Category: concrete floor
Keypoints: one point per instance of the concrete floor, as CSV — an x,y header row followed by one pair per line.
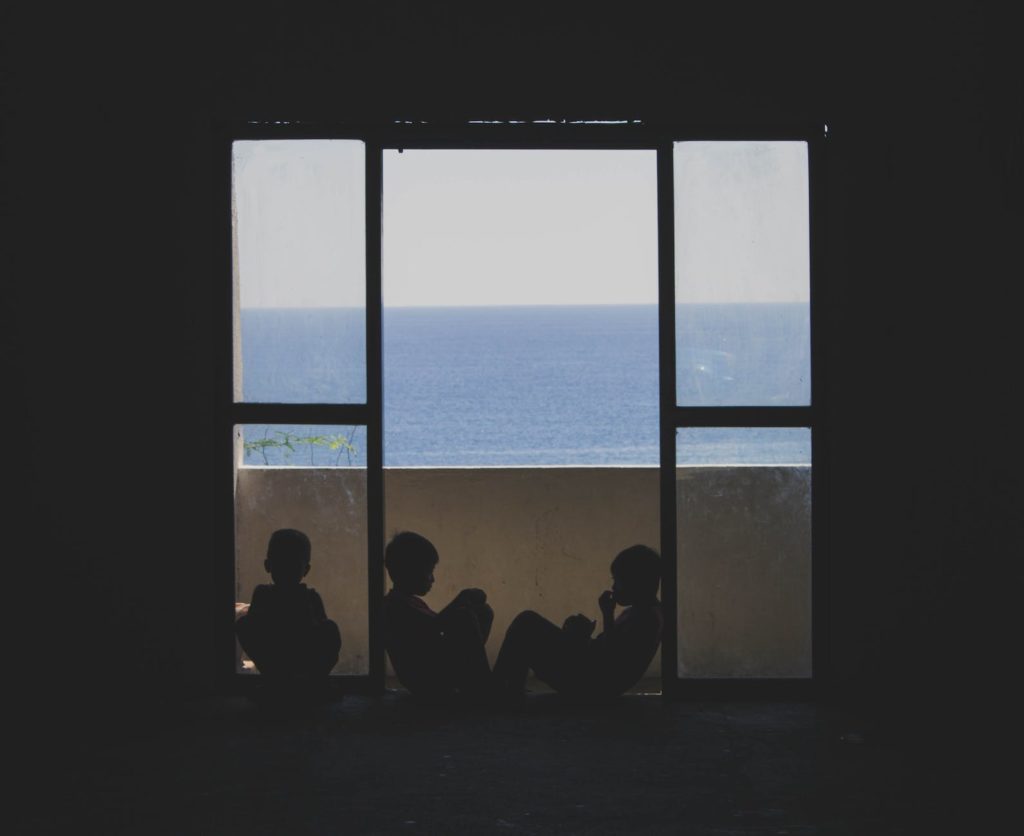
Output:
x,y
385,765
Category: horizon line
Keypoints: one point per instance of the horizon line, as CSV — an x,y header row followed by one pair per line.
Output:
x,y
517,305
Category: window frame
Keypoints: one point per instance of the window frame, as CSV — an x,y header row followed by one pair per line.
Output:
x,y
534,135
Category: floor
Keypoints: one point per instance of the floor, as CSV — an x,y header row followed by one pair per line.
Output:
x,y
386,765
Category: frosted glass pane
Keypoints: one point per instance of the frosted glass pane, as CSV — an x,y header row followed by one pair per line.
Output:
x,y
300,269
742,273
744,566
328,504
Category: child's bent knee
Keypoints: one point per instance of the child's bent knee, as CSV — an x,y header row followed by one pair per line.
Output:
x,y
526,619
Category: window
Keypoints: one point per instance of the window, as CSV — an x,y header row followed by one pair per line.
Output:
x,y
302,429
738,417
744,418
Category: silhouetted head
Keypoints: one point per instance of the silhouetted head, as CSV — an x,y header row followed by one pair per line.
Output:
x,y
288,555
636,572
410,559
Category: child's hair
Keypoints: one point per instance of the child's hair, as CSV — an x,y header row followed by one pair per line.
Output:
x,y
408,552
288,555
639,568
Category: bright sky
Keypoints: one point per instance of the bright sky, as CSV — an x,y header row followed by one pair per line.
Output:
x,y
494,227
499,227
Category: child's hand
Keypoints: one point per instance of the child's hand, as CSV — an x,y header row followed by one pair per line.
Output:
x,y
579,625
607,603
241,609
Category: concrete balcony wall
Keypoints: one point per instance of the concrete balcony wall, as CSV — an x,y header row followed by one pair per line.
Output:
x,y
543,539
532,538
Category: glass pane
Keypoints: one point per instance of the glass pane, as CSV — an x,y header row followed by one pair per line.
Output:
x,y
744,560
742,273
300,271
328,504
293,445
520,320
743,445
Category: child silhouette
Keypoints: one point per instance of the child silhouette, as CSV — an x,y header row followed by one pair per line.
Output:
x,y
572,662
435,655
286,631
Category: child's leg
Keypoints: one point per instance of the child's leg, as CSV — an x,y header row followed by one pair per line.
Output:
x,y
254,641
325,647
531,642
465,635
485,618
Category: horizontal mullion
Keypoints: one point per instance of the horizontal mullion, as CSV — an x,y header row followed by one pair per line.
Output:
x,y
337,684
260,131
523,134
738,688
524,140
743,416
299,413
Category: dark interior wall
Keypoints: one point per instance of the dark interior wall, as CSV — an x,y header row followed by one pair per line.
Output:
x,y
110,288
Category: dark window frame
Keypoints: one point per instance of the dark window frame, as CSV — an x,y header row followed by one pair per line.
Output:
x,y
561,134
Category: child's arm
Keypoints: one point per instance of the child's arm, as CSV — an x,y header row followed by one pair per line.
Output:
x,y
627,647
258,604
606,603
579,626
317,613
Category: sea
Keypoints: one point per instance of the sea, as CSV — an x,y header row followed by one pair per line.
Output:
x,y
526,385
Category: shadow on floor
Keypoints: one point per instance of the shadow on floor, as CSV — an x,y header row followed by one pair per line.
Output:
x,y
387,765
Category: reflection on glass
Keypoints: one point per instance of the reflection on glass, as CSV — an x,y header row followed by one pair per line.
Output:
x,y
742,273
329,506
292,445
300,267
744,565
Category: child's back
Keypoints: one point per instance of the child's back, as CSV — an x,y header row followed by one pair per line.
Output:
x,y
291,608
286,631
621,655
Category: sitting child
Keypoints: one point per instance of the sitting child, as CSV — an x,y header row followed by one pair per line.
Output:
x,y
573,663
285,631
435,655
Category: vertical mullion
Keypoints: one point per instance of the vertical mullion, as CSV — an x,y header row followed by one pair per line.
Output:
x,y
820,611
667,399
375,405
224,452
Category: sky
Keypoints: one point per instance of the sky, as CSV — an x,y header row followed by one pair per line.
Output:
x,y
519,227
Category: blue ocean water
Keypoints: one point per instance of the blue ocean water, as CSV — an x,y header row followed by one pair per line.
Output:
x,y
538,385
